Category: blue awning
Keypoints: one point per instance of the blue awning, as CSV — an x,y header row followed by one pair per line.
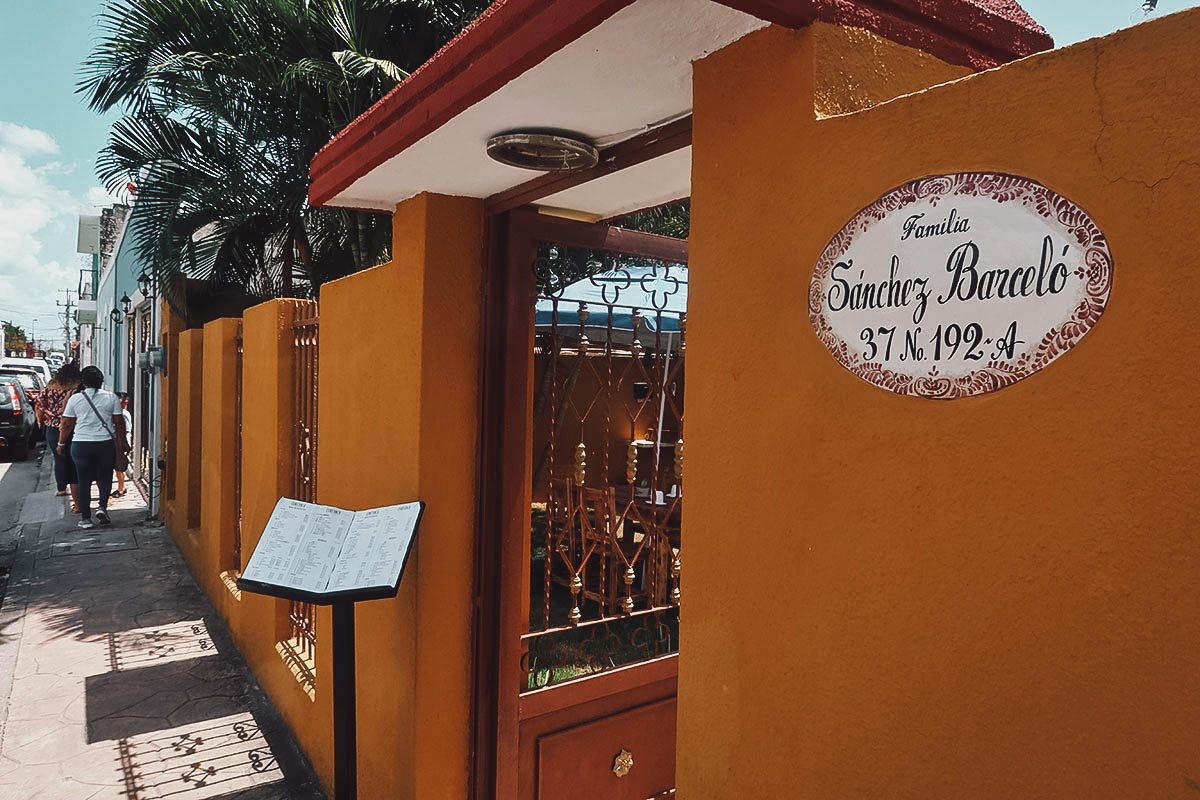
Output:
x,y
657,292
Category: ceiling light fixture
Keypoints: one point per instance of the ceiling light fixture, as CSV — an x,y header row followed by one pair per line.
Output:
x,y
544,152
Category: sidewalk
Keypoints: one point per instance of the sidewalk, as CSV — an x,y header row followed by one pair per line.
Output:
x,y
118,680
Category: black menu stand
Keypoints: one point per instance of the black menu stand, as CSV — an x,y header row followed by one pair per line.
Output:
x,y
345,725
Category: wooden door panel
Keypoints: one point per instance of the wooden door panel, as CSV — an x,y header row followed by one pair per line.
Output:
x,y
577,763
566,726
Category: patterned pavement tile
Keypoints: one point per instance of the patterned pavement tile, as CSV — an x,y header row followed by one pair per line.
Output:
x,y
126,684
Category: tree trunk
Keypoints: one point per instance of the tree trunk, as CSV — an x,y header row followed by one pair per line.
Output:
x,y
289,259
304,254
364,241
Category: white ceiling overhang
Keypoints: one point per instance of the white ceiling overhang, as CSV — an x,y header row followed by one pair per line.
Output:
x,y
624,77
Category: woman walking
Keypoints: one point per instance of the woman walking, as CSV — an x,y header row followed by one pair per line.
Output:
x,y
123,397
49,407
93,422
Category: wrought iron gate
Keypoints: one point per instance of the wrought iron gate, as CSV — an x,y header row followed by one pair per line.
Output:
x,y
239,408
607,483
302,617
592,566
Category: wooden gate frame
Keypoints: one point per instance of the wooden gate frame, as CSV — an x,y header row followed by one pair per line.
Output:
x,y
505,465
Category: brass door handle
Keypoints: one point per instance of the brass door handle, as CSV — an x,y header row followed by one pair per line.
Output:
x,y
622,763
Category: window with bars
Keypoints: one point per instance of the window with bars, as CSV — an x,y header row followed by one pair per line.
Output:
x,y
302,618
239,352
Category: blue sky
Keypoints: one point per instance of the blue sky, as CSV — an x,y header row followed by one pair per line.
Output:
x,y
49,140
48,144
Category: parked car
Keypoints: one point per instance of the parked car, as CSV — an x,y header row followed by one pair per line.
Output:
x,y
16,419
38,364
31,379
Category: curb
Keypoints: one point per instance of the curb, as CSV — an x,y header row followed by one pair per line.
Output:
x,y
16,567
13,606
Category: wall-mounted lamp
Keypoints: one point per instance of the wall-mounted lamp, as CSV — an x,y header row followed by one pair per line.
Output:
x,y
545,152
126,303
145,283
115,316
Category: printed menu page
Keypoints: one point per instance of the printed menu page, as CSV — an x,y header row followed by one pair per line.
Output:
x,y
374,548
300,545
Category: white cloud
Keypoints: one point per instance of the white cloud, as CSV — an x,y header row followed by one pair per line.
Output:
x,y
35,211
28,141
100,197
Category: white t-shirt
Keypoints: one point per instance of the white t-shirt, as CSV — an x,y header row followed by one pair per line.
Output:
x,y
88,427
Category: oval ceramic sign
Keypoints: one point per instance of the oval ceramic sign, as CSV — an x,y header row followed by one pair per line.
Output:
x,y
956,285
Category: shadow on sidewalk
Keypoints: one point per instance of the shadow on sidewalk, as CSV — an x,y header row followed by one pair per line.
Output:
x,y
189,720
127,678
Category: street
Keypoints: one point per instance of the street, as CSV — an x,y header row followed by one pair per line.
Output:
x,y
17,479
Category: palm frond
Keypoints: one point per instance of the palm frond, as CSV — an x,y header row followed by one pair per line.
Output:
x,y
360,66
224,104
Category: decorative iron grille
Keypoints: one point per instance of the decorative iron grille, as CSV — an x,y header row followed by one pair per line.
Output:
x,y
237,448
606,531
302,616
145,391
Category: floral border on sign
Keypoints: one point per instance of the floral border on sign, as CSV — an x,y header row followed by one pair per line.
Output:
x,y
1072,220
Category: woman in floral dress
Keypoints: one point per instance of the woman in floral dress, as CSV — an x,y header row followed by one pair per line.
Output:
x,y
49,407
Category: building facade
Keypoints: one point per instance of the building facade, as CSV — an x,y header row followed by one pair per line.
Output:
x,y
909,572
127,326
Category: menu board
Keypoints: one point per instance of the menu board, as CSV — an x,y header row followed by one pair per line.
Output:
x,y
314,550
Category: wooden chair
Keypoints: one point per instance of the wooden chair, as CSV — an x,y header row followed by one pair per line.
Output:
x,y
561,512
595,519
579,519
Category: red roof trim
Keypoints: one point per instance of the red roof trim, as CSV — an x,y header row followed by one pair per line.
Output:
x,y
972,33
969,33
514,35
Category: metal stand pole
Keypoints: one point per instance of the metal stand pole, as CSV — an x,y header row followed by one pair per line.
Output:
x,y
345,724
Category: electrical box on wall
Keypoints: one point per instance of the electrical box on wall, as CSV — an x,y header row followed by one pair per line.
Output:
x,y
85,314
153,359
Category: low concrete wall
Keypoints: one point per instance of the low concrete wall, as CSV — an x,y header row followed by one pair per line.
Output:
x,y
188,397
400,424
172,326
394,425
218,451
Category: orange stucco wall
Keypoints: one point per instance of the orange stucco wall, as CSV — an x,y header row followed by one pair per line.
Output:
x,y
398,421
186,477
218,444
267,473
398,396
202,414
172,326
991,597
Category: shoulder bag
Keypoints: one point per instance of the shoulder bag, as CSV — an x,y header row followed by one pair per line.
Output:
x,y
121,463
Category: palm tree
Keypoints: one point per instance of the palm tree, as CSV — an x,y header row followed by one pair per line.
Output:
x,y
225,103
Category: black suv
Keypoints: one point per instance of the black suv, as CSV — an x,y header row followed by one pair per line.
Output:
x,y
16,418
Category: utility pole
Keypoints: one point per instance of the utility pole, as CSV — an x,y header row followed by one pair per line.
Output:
x,y
66,315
